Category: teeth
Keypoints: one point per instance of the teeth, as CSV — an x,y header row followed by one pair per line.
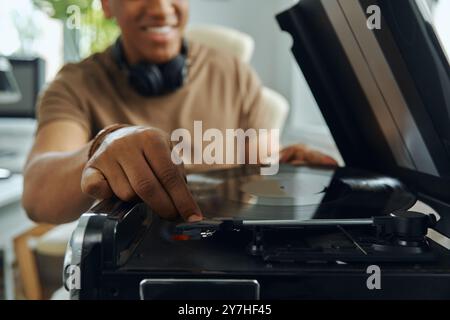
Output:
x,y
160,30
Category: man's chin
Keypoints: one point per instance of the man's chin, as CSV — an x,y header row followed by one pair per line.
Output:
x,y
160,59
161,54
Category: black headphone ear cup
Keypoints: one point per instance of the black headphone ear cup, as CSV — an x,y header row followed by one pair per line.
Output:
x,y
150,79
147,80
174,73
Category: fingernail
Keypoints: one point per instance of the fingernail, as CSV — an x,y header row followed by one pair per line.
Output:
x,y
330,161
195,218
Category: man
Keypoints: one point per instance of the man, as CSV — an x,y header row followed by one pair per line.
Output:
x,y
73,162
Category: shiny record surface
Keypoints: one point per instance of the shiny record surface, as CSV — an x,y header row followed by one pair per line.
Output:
x,y
297,194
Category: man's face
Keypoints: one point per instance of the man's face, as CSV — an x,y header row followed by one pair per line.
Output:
x,y
152,30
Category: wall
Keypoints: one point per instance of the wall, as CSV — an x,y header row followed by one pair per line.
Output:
x,y
273,59
27,31
442,23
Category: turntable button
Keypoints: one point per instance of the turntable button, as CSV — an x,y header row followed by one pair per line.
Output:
x,y
181,237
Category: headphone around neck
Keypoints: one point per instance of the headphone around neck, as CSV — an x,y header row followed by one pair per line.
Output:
x,y
151,80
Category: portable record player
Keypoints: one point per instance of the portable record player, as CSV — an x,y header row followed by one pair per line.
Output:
x,y
268,237
308,233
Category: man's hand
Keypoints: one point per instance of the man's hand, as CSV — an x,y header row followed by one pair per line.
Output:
x,y
302,155
135,162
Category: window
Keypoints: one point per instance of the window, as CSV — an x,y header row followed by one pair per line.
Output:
x,y
27,31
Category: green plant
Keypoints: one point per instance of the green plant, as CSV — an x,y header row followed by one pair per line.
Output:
x,y
95,32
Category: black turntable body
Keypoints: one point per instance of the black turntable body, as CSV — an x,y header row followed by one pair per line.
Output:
x,y
296,251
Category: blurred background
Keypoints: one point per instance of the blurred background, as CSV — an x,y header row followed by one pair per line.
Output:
x,y
39,36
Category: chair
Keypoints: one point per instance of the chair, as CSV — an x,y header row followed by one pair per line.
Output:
x,y
50,247
40,255
242,46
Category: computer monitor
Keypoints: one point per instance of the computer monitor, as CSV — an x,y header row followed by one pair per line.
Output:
x,y
9,91
383,88
29,74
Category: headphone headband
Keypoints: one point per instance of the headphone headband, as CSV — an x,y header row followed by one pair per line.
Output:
x,y
150,79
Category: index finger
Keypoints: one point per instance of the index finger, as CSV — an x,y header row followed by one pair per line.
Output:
x,y
173,181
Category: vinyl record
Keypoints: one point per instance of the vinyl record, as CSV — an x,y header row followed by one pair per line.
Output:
x,y
297,193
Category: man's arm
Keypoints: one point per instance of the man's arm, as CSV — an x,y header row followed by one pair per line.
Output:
x,y
52,175
130,162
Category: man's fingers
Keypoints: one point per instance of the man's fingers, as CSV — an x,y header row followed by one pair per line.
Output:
x,y
118,182
94,184
302,155
137,162
173,181
180,166
285,154
318,158
293,153
298,163
148,188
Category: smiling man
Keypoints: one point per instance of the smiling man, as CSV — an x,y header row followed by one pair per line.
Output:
x,y
104,123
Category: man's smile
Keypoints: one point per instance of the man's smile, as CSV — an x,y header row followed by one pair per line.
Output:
x,y
161,33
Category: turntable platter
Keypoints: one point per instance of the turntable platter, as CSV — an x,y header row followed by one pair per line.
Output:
x,y
296,193
298,189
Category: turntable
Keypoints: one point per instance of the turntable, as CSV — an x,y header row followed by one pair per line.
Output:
x,y
265,237
308,233
306,214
